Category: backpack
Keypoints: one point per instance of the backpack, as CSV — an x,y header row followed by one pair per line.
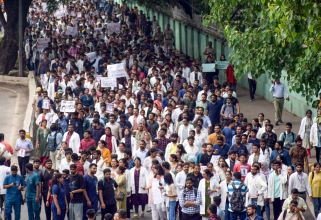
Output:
x,y
52,142
237,199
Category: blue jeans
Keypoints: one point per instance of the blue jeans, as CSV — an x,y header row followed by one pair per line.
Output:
x,y
234,215
227,213
317,205
258,208
8,209
34,209
58,217
172,210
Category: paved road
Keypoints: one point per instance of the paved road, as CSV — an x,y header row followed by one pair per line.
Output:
x,y
14,99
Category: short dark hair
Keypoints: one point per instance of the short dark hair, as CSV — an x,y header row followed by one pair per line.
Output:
x,y
29,166
237,175
92,165
90,213
14,168
294,191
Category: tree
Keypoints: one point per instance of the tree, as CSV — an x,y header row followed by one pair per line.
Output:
x,y
271,36
10,41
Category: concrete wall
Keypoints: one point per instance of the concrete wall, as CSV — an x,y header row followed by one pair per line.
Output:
x,y
192,40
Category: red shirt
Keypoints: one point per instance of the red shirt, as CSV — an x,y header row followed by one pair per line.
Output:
x,y
242,168
85,144
79,168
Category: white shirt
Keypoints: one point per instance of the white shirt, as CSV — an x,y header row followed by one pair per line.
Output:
x,y
141,154
4,171
279,91
299,182
180,180
64,164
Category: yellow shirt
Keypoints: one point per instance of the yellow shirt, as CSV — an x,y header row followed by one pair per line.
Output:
x,y
315,184
105,153
212,138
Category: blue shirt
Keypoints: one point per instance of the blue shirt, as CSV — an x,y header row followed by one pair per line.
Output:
x,y
61,194
284,154
228,133
214,111
222,150
242,149
13,194
230,190
91,189
32,181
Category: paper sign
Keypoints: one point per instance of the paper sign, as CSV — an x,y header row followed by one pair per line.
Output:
x,y
110,108
221,65
117,70
42,43
91,56
67,106
208,67
113,28
214,159
21,153
71,31
108,82
61,12
46,104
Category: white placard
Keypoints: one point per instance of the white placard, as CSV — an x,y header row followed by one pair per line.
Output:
x,y
46,104
214,159
91,56
42,43
117,70
110,108
21,153
113,28
208,67
61,12
68,106
108,82
71,31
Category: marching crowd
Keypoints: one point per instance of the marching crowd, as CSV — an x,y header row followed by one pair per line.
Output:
x,y
166,138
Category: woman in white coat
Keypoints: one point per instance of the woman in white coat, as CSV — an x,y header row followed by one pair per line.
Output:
x,y
224,193
304,131
208,188
315,136
138,186
110,140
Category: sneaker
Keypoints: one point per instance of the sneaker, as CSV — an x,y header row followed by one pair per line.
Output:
x,y
135,215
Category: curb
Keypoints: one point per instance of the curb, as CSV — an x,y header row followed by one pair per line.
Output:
x,y
15,80
29,110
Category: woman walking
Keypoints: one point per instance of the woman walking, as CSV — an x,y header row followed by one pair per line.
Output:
x,y
41,141
121,190
315,183
139,193
171,196
304,131
58,205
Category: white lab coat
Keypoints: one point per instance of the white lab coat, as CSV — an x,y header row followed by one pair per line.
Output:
x,y
283,180
74,142
143,176
314,137
201,188
224,194
113,142
256,185
302,127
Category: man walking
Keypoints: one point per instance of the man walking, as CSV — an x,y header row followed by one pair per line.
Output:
x,y
252,86
279,92
14,184
23,147
33,193
77,188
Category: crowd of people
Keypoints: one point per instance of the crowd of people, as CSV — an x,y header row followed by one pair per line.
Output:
x,y
166,139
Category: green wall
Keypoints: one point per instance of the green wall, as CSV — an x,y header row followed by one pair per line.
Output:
x,y
193,41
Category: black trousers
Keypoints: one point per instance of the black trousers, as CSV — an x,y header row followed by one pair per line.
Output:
x,y
277,207
252,88
195,216
22,161
317,153
111,209
47,208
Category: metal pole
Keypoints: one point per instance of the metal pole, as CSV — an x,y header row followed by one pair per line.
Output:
x,y
20,40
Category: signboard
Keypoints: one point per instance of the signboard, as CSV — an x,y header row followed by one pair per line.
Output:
x,y
117,70
113,28
42,43
108,82
110,108
221,65
68,106
46,104
71,31
91,56
208,67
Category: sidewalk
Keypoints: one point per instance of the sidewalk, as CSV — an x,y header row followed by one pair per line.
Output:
x,y
252,109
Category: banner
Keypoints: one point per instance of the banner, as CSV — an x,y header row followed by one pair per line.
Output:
x,y
221,65
113,28
46,104
42,43
68,106
71,31
108,82
208,67
110,108
91,56
117,70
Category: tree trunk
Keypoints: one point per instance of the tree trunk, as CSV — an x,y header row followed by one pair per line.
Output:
x,y
10,41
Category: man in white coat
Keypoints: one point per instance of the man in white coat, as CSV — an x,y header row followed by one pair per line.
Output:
x,y
72,139
315,137
257,187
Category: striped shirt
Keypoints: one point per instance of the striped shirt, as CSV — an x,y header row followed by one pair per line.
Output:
x,y
190,195
230,191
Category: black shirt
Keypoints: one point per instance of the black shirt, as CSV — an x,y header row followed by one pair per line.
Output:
x,y
45,177
205,158
77,182
196,179
107,186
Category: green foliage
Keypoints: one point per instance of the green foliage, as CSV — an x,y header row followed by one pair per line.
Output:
x,y
53,5
271,36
